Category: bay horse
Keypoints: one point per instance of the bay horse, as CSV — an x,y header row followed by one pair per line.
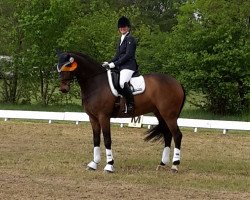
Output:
x,y
164,96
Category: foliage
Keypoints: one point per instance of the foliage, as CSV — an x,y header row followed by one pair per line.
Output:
x,y
12,45
43,22
158,12
92,32
213,52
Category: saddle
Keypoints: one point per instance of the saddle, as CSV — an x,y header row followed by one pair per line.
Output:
x,y
137,83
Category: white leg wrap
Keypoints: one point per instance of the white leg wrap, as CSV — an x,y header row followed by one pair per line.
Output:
x,y
92,166
109,155
109,168
165,155
177,155
97,155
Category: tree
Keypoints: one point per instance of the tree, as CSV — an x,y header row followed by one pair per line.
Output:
x,y
43,23
11,45
93,32
213,52
158,12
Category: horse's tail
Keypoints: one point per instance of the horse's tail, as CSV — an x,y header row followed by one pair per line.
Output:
x,y
183,100
157,132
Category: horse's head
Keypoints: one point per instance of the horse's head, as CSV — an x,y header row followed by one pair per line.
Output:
x,y
79,65
66,65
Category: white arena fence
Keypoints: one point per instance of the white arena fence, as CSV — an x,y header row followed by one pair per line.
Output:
x,y
132,122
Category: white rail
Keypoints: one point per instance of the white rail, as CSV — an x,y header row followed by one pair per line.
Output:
x,y
138,121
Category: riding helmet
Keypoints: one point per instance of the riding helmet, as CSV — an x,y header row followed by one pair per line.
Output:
x,y
123,22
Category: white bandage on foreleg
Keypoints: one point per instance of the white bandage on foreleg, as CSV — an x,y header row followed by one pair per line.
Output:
x,y
165,155
177,155
97,154
109,155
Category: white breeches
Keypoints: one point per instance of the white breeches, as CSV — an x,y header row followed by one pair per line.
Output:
x,y
125,76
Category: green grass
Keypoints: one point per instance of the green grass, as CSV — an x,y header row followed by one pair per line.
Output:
x,y
197,113
188,111
39,107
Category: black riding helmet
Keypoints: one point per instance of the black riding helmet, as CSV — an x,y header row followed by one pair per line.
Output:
x,y
123,22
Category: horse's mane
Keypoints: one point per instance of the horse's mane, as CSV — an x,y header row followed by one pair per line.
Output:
x,y
88,58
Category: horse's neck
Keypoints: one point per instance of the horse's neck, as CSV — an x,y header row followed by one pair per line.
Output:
x,y
87,66
90,75
93,86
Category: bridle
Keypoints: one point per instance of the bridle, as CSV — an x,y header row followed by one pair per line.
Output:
x,y
65,66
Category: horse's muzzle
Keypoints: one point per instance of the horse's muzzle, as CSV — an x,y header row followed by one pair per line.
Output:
x,y
64,88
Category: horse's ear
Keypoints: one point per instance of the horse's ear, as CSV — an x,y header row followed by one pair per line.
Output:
x,y
58,52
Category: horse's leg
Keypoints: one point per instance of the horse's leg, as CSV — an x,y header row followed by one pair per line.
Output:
x,y
166,151
105,125
167,141
96,139
177,135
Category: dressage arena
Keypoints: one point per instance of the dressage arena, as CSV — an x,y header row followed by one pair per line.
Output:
x,y
48,161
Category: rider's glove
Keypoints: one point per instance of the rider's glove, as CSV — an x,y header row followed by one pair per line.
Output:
x,y
105,64
111,65
108,65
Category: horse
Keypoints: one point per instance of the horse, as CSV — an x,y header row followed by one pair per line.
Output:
x,y
164,96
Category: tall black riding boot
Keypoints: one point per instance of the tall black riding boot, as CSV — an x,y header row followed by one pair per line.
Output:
x,y
128,95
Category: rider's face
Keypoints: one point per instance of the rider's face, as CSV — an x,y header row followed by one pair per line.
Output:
x,y
124,30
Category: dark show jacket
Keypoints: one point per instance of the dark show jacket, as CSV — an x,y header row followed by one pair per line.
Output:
x,y
125,54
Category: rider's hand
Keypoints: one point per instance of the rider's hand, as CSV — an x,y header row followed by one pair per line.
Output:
x,y
111,65
105,64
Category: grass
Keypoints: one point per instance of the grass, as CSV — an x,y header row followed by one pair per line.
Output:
x,y
188,111
39,107
47,161
196,113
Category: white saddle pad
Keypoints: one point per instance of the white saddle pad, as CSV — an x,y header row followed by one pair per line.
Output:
x,y
138,84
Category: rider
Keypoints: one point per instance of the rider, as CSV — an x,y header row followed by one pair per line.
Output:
x,y
124,60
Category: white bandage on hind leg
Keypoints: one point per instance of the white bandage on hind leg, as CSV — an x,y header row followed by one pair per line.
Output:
x,y
109,155
97,154
165,155
177,155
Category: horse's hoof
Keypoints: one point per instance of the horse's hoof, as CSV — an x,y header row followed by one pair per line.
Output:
x,y
92,166
90,169
109,168
161,166
174,169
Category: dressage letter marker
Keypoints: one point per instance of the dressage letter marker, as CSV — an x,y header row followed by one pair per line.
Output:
x,y
136,122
